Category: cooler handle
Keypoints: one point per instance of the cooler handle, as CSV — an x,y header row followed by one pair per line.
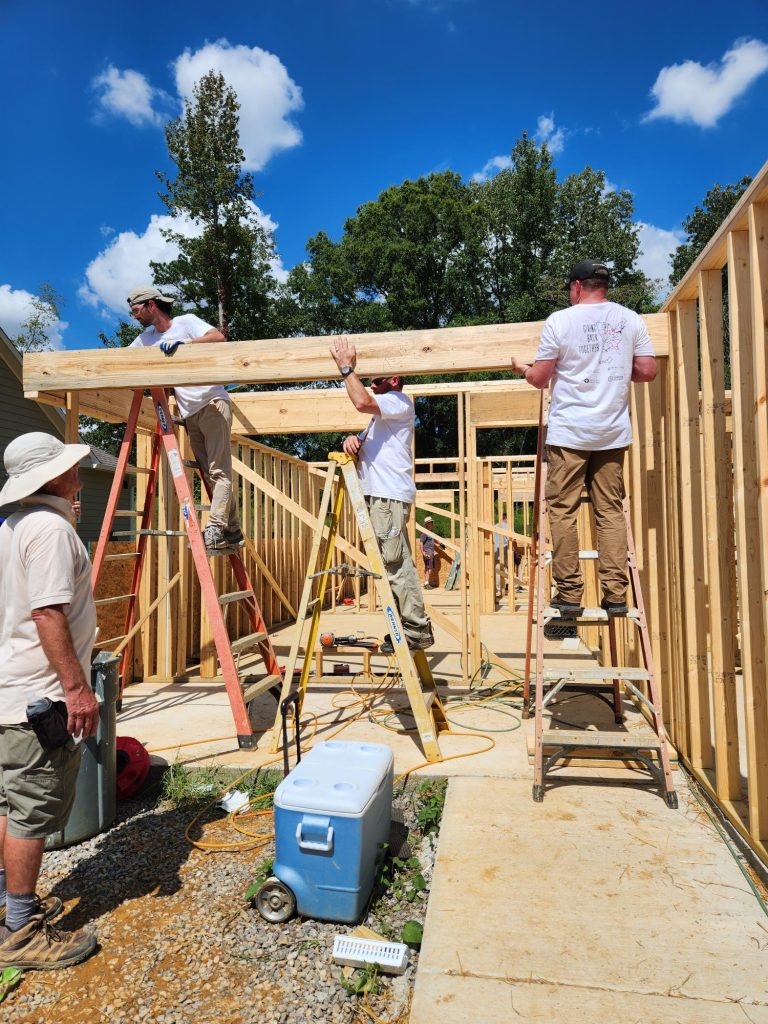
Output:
x,y
315,827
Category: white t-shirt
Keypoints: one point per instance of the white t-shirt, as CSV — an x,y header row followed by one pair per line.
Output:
x,y
594,345
386,456
43,562
190,399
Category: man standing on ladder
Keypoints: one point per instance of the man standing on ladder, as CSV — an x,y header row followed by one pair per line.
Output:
x,y
206,411
590,352
385,462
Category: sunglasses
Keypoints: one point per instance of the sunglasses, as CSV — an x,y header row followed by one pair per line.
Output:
x,y
377,380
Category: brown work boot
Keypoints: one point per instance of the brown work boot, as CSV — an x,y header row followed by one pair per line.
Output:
x,y
49,907
40,946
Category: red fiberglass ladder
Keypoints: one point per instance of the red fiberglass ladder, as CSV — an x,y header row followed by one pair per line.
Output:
x,y
240,692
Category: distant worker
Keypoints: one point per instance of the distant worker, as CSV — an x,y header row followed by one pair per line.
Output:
x,y
500,555
47,632
590,352
427,545
385,454
206,410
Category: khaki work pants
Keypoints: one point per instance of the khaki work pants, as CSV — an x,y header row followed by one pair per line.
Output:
x,y
210,432
568,472
389,519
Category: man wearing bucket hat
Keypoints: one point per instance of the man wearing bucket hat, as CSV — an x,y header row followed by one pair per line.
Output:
x,y
591,352
385,464
47,630
207,410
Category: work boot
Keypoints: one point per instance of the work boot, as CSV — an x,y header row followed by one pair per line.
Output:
x,y
234,538
214,538
567,609
49,907
41,946
615,609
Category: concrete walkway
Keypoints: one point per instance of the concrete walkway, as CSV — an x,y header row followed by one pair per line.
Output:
x,y
598,906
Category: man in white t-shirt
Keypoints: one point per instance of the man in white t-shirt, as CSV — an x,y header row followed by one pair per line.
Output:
x,y
385,465
207,411
591,352
47,631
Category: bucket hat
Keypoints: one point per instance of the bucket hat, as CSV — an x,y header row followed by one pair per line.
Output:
x,y
32,460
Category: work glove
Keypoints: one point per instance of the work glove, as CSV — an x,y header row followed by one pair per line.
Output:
x,y
169,347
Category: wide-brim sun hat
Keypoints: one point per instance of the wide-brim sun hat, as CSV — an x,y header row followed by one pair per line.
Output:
x,y
33,460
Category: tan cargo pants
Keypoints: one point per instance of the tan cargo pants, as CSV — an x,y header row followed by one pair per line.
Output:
x,y
210,432
568,472
389,519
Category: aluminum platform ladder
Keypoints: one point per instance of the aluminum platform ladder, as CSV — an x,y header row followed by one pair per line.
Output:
x,y
416,674
647,747
241,689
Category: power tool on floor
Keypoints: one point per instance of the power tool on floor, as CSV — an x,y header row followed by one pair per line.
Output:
x,y
331,640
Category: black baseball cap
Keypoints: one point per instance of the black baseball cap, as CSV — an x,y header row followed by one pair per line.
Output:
x,y
589,268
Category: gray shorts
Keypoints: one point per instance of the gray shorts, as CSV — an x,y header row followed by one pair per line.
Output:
x,y
37,786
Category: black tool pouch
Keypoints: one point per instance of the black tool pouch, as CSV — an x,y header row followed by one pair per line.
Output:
x,y
48,719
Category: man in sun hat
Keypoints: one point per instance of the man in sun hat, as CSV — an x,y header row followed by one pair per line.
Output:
x,y
591,352
385,463
47,630
206,410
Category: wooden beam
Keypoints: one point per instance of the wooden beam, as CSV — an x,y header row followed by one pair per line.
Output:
x,y
109,405
486,347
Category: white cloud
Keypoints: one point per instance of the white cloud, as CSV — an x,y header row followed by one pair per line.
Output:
x,y
129,94
267,94
690,92
656,248
124,263
491,167
16,307
546,132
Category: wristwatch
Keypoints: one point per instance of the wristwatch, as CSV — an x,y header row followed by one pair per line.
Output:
x,y
346,370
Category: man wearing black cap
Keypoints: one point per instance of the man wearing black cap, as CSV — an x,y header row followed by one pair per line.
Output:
x,y
206,410
590,352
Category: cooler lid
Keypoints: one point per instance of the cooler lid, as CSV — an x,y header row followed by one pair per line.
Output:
x,y
337,777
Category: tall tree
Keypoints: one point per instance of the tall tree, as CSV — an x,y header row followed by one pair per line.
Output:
x,y
226,266
701,225
34,334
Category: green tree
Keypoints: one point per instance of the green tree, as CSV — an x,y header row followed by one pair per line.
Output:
x,y
226,267
702,224
34,334
108,436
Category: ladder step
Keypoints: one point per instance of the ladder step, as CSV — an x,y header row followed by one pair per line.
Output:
x,y
245,643
202,508
589,556
591,615
129,512
605,740
236,595
601,672
253,690
124,554
114,600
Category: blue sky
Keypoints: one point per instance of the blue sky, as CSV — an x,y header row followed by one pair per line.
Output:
x,y
343,98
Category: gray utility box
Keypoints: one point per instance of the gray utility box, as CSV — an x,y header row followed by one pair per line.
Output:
x,y
96,795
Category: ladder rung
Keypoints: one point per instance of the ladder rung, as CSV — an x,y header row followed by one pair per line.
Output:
x,y
203,508
604,740
150,533
114,600
588,556
236,595
245,643
604,672
260,686
129,512
124,554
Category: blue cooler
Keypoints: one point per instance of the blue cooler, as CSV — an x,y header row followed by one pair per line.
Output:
x,y
332,815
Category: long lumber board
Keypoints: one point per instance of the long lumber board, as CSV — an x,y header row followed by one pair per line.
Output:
x,y
487,347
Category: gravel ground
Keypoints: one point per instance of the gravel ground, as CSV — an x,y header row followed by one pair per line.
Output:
x,y
178,944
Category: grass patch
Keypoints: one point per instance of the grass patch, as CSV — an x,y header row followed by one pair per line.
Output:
x,y
183,785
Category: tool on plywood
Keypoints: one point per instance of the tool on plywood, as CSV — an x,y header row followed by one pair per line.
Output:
x,y
342,482
240,690
647,747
